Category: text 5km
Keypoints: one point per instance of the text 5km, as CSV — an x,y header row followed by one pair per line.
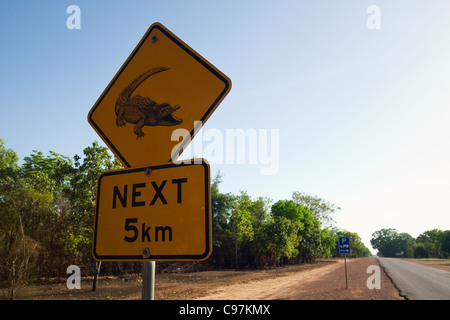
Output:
x,y
159,233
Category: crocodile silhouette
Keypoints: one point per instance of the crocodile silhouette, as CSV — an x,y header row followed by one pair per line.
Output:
x,y
143,111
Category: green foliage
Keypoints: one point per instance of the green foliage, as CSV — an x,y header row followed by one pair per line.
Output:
x,y
241,219
289,210
241,227
282,236
445,243
24,212
390,243
221,207
47,207
8,161
320,208
433,243
48,203
262,234
419,251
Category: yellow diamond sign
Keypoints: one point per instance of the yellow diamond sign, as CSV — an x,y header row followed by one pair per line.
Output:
x,y
164,85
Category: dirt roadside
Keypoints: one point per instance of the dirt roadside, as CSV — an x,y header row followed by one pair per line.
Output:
x,y
325,283
322,280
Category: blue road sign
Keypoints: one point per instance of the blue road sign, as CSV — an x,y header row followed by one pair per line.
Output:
x,y
344,245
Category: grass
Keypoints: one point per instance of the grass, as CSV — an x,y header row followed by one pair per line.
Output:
x,y
433,259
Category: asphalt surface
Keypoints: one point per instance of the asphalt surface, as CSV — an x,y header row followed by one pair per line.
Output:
x,y
417,282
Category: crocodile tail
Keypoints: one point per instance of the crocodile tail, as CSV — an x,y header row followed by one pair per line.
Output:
x,y
125,95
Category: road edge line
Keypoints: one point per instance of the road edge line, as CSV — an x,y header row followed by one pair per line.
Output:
x,y
400,291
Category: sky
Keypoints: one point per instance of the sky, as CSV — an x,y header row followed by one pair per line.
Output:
x,y
357,97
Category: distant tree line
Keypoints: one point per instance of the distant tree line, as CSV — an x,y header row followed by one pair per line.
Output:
x,y
253,233
47,207
430,244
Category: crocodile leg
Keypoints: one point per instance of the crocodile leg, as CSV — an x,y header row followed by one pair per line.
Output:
x,y
138,128
120,120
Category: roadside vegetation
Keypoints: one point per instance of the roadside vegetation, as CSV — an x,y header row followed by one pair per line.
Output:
x,y
47,206
430,244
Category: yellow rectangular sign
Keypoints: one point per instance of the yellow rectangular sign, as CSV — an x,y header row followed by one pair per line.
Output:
x,y
155,213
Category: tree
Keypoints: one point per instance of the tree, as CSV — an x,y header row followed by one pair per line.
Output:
x,y
8,161
313,241
83,196
327,241
17,256
20,202
431,241
296,221
241,222
289,209
383,241
390,243
282,237
222,205
445,246
320,208
260,213
419,251
83,184
404,243
52,174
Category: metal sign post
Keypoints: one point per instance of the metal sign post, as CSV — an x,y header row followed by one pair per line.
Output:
x,y
344,248
148,281
345,263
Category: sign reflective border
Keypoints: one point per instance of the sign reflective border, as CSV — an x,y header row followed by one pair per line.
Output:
x,y
155,213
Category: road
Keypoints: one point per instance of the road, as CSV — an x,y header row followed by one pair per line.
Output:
x,y
417,282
